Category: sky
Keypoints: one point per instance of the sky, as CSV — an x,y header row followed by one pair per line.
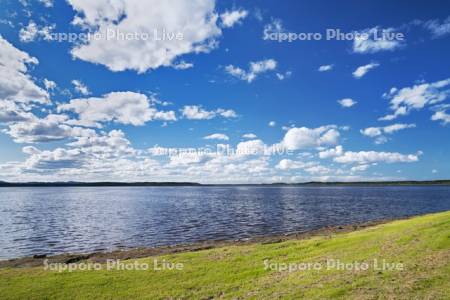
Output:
x,y
224,92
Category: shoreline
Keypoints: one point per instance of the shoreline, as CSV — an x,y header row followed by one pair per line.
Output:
x,y
440,182
142,252
409,258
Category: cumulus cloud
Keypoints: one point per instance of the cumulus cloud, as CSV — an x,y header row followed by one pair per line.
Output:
x,y
189,159
195,20
15,83
196,112
377,132
347,102
283,76
362,70
90,156
32,31
12,112
113,144
249,136
403,101
366,157
47,3
90,153
276,26
359,168
80,87
217,136
182,65
57,159
252,147
120,107
333,152
371,44
438,29
325,68
48,129
230,18
310,167
303,137
441,114
255,69
49,84
289,164
318,170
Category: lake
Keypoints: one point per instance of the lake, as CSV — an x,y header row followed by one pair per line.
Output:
x,y
52,220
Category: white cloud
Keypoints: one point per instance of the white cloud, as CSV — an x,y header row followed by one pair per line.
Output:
x,y
51,128
362,70
194,19
359,168
325,68
276,26
347,102
372,131
217,136
289,164
230,18
15,83
49,84
318,170
309,167
272,123
226,113
249,136
403,101
396,127
303,137
91,153
120,107
282,76
252,147
333,152
32,31
255,69
182,65
377,132
12,112
113,144
196,112
365,157
57,159
372,44
441,114
437,28
189,159
80,87
47,3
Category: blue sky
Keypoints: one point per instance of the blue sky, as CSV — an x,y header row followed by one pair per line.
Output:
x,y
143,109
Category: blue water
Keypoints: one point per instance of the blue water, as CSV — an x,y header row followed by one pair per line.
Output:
x,y
84,219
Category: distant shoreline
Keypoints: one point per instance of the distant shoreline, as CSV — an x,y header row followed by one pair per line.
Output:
x,y
194,184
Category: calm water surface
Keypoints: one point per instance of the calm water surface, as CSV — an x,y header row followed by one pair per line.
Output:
x,y
83,219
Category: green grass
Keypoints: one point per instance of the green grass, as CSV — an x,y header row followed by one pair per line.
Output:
x,y
421,244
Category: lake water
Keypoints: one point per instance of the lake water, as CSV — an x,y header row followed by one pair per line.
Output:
x,y
55,220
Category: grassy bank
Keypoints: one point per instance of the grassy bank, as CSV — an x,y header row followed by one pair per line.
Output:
x,y
420,246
